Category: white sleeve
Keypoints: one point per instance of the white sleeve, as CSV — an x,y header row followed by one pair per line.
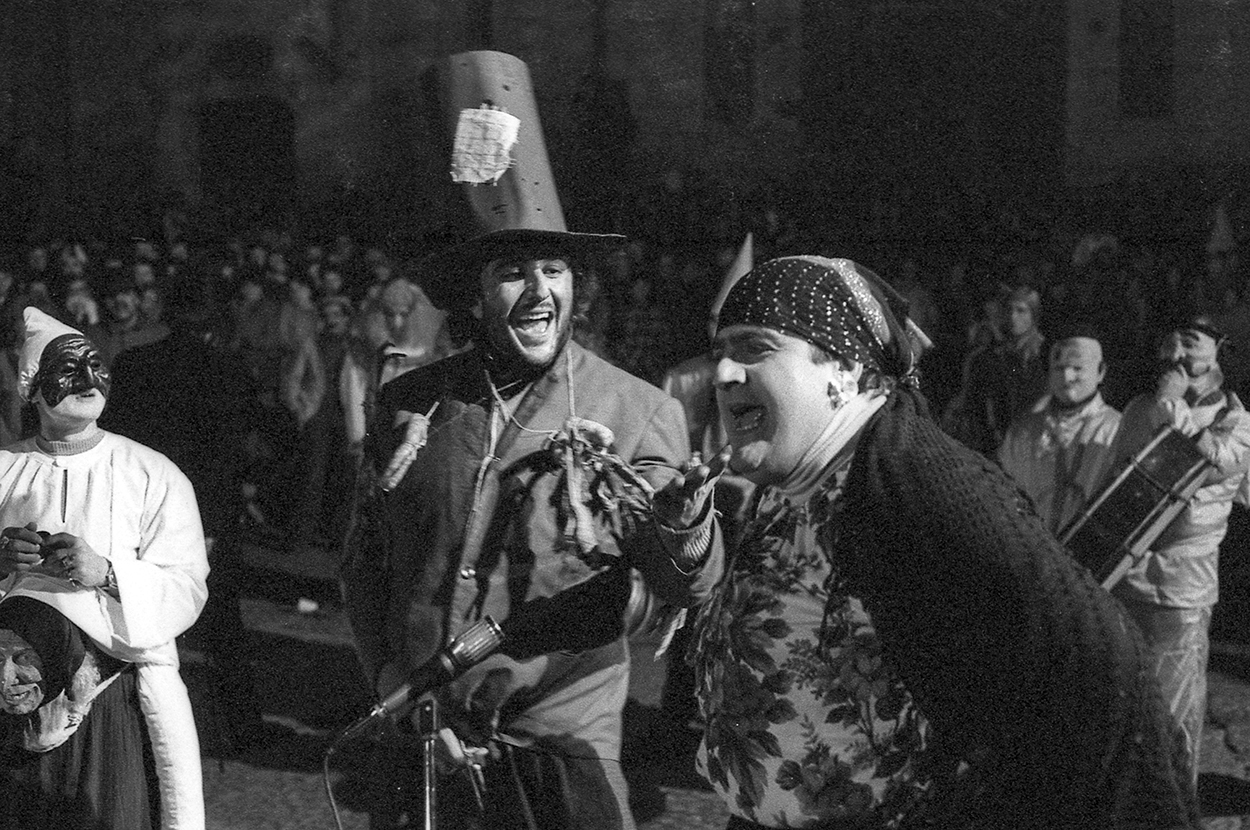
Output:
x,y
163,590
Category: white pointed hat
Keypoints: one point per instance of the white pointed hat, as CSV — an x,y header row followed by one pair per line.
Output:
x,y
41,329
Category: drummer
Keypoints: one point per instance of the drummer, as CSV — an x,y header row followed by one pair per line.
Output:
x,y
1173,589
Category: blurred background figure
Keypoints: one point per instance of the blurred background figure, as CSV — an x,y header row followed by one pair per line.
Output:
x,y
401,330
1059,451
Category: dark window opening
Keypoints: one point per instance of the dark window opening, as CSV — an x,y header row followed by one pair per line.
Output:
x,y
247,161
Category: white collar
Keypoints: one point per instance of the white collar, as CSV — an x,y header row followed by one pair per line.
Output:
x,y
834,445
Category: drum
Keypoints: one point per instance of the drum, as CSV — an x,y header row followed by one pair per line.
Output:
x,y
1120,524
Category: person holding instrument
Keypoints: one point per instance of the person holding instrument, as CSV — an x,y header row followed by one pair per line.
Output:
x,y
1172,590
544,474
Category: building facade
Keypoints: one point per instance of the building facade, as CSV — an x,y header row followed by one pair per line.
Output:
x,y
107,106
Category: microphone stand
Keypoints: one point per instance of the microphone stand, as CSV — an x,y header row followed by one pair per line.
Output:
x,y
472,646
427,727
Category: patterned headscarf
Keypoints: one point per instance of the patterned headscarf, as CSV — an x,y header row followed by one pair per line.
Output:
x,y
836,304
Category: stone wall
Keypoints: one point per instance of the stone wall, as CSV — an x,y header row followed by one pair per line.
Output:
x,y
1208,128
105,106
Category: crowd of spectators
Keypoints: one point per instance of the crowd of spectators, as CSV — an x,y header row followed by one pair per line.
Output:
x,y
302,315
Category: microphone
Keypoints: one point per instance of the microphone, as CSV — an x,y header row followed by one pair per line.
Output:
x,y
472,646
586,616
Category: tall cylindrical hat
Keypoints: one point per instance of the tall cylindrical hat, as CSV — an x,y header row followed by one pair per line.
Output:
x,y
499,159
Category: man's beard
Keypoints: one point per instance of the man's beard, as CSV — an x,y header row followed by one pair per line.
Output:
x,y
508,368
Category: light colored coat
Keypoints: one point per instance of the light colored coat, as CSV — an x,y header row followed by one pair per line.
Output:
x,y
1182,570
1060,457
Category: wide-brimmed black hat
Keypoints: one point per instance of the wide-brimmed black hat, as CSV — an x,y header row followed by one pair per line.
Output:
x,y
500,160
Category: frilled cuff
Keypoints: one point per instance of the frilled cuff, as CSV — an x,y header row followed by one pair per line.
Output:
x,y
689,546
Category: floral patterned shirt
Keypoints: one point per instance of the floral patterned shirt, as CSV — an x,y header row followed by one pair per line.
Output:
x,y
806,724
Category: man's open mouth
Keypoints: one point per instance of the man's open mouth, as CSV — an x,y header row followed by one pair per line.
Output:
x,y
534,323
745,417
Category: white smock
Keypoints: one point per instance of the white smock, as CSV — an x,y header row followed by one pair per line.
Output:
x,y
134,507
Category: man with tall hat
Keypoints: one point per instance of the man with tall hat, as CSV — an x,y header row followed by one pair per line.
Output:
x,y
529,481
1172,590
1059,450
107,531
898,639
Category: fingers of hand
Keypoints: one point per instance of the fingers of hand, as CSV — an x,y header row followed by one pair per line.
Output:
x,y
23,538
705,475
716,467
60,541
16,549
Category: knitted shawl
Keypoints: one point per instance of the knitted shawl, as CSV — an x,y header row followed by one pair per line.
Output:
x,y
1026,669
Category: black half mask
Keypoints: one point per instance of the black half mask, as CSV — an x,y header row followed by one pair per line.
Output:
x,y
70,364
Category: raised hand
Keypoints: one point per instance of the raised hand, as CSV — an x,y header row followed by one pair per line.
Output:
x,y
681,502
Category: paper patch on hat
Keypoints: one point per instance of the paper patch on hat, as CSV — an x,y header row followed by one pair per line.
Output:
x,y
483,146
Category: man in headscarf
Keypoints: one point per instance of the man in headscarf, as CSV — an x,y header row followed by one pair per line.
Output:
x,y
1172,590
894,609
109,531
1059,450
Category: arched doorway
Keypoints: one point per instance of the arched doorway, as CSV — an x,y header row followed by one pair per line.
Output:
x,y
247,158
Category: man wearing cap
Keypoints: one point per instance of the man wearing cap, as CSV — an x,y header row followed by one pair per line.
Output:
x,y
1172,590
893,609
108,532
1060,450
529,481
